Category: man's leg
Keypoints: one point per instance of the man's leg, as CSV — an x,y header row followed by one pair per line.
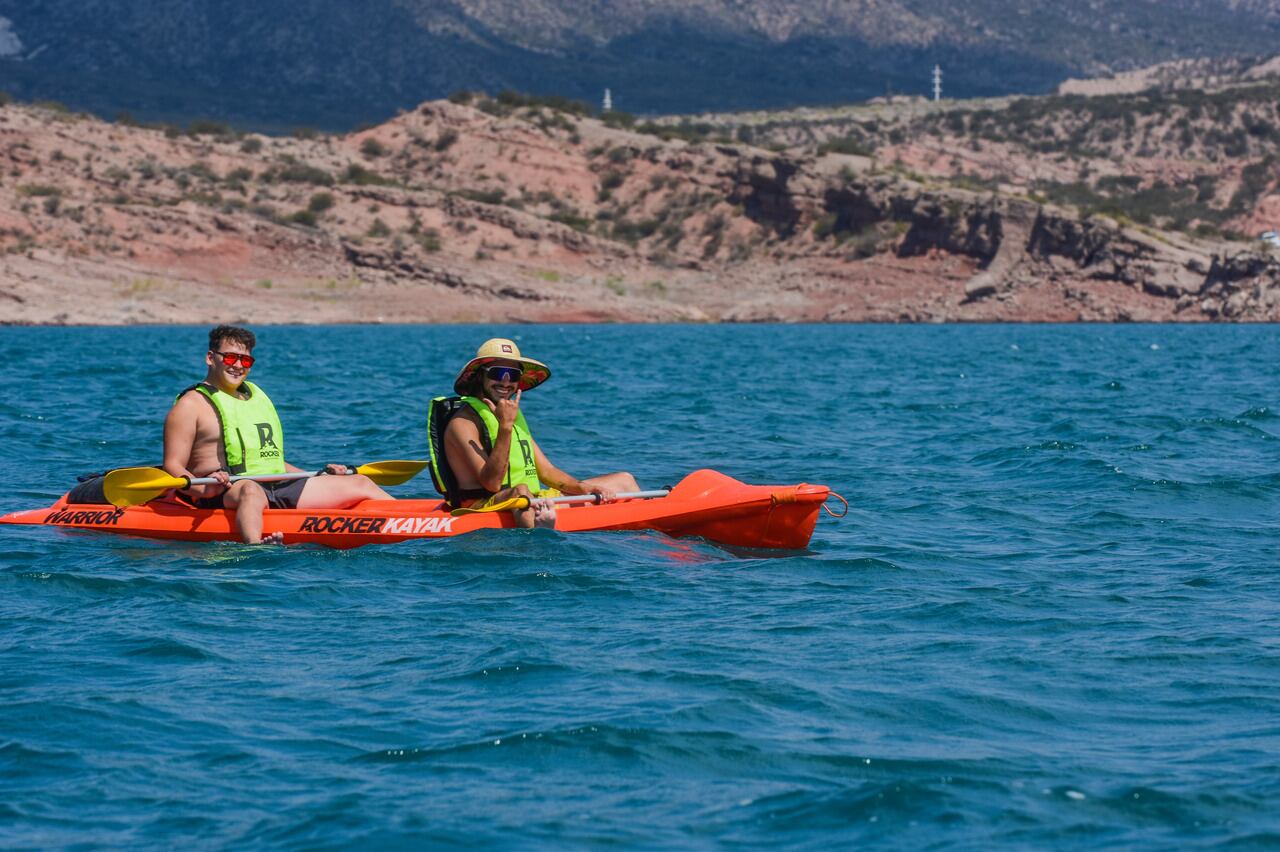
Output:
x,y
620,482
544,514
539,513
339,492
526,517
534,514
249,500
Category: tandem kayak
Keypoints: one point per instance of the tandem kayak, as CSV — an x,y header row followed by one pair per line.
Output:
x,y
705,503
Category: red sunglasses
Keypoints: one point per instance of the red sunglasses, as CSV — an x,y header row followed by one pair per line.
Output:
x,y
231,358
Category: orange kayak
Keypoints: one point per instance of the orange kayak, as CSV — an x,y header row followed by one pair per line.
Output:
x,y
705,503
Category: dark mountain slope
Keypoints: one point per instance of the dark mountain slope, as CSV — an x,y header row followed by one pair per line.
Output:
x,y
334,63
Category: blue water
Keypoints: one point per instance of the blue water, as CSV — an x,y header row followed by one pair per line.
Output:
x,y
1050,619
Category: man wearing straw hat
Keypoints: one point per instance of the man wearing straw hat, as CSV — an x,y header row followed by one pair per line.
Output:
x,y
488,446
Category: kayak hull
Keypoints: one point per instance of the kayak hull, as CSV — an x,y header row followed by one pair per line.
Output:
x,y
705,504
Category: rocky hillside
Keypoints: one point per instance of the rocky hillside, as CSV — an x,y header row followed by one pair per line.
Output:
x,y
336,64
515,209
1189,147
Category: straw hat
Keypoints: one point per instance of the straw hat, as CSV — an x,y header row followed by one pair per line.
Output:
x,y
501,349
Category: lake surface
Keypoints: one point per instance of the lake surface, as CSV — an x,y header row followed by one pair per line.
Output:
x,y
1050,619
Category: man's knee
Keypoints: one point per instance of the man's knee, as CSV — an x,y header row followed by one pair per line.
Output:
x,y
245,493
522,490
364,484
621,481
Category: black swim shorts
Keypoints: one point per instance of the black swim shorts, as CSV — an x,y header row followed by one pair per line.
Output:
x,y
280,495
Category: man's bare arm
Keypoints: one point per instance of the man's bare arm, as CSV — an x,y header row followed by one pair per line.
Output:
x,y
463,437
179,438
551,475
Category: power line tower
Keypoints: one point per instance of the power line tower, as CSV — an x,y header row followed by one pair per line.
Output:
x,y
607,104
937,82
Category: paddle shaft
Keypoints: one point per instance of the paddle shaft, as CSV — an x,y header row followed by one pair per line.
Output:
x,y
262,477
595,498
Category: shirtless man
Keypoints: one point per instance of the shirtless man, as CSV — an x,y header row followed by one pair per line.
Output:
x,y
227,426
514,465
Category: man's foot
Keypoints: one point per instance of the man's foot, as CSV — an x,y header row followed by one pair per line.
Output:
x,y
270,538
544,514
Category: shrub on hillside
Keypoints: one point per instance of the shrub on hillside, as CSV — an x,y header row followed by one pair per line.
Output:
x,y
507,100
572,219
205,127
295,172
492,196
320,202
372,148
445,140
361,176
37,190
633,232
618,119
203,171
846,145
430,240
824,226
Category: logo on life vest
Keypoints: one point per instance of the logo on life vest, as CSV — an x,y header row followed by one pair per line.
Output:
x,y
99,517
266,435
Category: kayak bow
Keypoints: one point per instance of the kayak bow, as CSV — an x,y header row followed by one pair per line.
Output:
x,y
705,503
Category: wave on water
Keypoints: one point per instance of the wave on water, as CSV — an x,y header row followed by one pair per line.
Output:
x,y
168,650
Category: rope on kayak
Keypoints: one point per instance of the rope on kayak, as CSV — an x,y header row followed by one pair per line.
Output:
x,y
828,508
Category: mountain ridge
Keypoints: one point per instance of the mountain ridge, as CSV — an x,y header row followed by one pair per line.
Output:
x,y
327,64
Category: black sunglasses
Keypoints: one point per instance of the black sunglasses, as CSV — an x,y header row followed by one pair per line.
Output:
x,y
499,373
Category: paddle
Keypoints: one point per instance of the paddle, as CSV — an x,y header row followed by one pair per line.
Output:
x,y
522,502
132,486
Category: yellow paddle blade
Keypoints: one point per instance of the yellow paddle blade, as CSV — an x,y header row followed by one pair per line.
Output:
x,y
391,472
509,503
133,486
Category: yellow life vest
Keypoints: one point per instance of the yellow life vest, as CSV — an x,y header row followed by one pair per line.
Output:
x,y
252,437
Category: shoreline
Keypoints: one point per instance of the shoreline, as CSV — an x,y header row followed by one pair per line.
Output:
x,y
656,323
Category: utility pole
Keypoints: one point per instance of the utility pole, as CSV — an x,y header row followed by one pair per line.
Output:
x,y
937,82
607,104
